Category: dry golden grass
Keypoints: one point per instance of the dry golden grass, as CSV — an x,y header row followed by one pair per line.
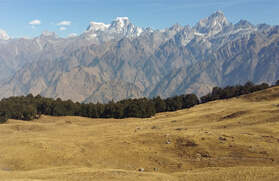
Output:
x,y
236,139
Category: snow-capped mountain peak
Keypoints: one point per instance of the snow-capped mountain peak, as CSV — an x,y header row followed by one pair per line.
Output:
x,y
213,24
218,15
95,26
121,26
216,18
49,34
72,35
122,21
176,27
4,35
244,24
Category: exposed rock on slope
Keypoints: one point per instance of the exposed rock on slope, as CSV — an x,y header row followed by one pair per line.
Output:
x,y
115,90
172,61
248,58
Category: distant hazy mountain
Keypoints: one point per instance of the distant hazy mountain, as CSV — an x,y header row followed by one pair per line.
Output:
x,y
121,60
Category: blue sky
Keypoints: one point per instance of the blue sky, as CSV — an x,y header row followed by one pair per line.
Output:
x,y
31,17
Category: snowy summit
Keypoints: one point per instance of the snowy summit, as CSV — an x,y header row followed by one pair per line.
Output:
x,y
3,35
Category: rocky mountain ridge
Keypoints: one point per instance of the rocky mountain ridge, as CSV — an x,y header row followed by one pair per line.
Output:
x,y
136,62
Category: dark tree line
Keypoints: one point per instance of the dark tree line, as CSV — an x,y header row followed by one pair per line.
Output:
x,y
233,91
30,107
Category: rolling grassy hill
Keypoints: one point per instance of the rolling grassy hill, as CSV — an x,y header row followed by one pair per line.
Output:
x,y
235,139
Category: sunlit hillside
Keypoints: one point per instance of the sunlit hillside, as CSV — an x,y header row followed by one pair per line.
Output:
x,y
235,139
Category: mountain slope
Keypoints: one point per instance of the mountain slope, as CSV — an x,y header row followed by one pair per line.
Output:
x,y
115,90
176,60
247,58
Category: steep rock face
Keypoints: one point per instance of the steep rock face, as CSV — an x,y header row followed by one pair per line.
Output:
x,y
169,62
115,90
32,78
243,24
193,79
254,57
18,52
77,84
212,25
267,70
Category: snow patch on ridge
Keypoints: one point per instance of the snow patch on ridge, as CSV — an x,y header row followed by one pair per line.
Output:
x,y
199,34
39,44
16,51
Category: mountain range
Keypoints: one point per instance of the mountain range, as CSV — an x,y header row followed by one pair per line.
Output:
x,y
120,60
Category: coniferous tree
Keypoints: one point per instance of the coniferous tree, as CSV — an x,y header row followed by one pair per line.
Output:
x,y
29,113
160,104
27,108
